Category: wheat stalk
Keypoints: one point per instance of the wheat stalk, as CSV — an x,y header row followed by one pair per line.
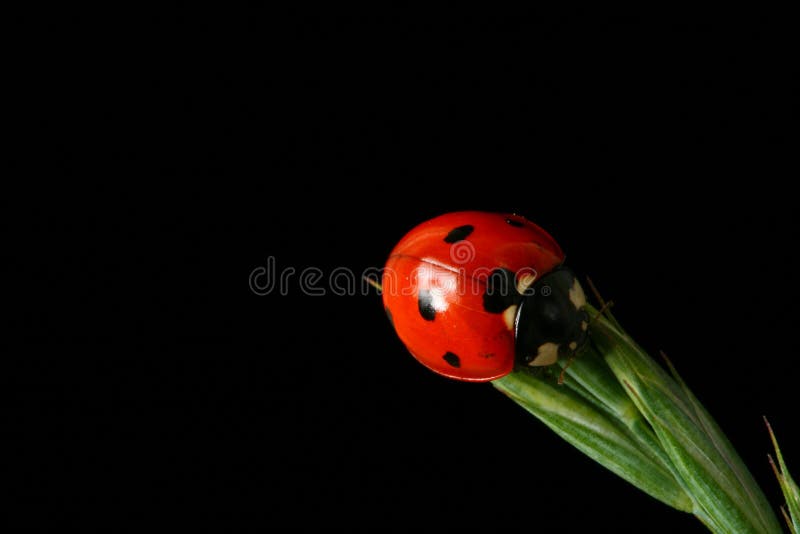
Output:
x,y
624,410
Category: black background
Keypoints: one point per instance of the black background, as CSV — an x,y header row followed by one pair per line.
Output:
x,y
172,153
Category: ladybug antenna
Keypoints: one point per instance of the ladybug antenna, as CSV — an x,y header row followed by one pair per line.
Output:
x,y
374,283
602,311
604,306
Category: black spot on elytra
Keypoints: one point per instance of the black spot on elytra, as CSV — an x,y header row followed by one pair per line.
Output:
x,y
459,234
514,222
426,309
389,315
501,291
452,359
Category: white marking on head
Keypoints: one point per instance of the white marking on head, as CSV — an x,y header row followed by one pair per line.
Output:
x,y
546,355
510,316
525,281
573,345
584,326
577,296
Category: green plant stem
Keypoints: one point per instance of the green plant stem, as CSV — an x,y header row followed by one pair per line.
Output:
x,y
621,408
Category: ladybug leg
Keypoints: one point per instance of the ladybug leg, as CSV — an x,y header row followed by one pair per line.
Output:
x,y
564,369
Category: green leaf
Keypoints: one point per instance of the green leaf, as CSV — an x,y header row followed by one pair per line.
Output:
x,y
726,496
788,486
744,478
595,434
624,410
592,374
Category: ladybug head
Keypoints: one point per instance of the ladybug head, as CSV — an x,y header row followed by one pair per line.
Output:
x,y
552,320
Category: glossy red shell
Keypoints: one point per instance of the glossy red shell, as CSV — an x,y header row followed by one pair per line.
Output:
x,y
448,260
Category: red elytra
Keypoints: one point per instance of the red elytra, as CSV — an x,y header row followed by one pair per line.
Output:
x,y
436,289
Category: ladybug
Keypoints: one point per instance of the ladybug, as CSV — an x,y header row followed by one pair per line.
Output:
x,y
474,295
